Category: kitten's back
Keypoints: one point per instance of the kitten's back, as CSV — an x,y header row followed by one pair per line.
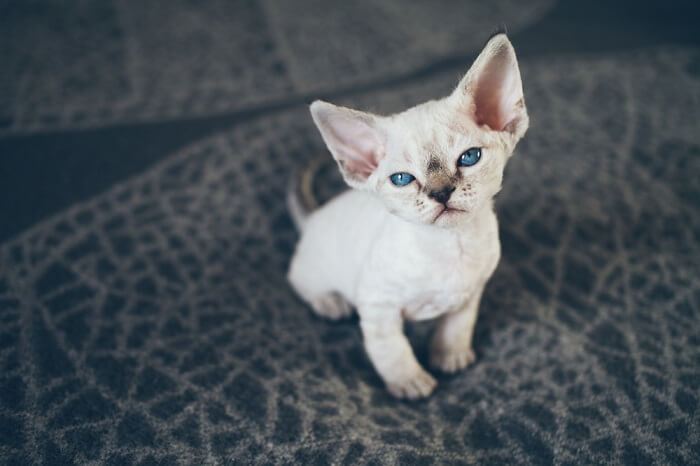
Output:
x,y
335,240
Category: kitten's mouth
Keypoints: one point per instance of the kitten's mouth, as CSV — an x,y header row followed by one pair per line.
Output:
x,y
447,211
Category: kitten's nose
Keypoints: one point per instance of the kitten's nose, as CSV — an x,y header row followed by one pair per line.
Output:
x,y
443,195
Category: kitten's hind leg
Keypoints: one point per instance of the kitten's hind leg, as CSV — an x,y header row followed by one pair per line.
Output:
x,y
331,305
315,289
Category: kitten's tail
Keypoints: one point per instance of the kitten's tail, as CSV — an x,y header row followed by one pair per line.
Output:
x,y
300,194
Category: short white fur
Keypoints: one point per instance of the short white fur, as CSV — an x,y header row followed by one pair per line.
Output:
x,y
397,253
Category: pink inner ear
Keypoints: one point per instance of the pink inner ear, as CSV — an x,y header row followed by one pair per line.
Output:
x,y
357,145
497,92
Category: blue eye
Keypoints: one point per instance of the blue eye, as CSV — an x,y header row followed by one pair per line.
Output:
x,y
401,179
469,157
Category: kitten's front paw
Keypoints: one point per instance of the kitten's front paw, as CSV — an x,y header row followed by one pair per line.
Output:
x,y
451,360
332,306
414,386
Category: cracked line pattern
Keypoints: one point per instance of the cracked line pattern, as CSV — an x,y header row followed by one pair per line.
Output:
x,y
153,324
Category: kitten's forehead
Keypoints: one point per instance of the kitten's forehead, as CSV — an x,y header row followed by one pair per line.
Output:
x,y
429,133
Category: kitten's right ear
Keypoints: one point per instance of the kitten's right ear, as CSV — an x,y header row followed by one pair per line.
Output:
x,y
353,137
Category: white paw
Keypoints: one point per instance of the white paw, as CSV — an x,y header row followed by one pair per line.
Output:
x,y
451,360
418,384
331,305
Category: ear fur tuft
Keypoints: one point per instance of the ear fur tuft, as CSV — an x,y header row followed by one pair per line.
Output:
x,y
500,29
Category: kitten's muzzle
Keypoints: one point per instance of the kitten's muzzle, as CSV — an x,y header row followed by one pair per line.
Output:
x,y
442,195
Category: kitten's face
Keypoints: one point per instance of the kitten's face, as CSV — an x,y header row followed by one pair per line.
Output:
x,y
439,162
453,167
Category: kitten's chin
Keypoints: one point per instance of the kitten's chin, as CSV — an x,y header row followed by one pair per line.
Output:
x,y
450,218
441,218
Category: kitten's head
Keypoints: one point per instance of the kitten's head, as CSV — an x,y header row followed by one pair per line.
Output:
x,y
441,161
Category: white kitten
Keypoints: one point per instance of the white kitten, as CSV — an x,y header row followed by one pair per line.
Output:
x,y
418,237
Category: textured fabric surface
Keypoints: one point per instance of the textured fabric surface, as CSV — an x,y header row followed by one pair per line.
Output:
x,y
153,323
123,61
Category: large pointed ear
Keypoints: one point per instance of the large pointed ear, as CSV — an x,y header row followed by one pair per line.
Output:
x,y
353,137
492,92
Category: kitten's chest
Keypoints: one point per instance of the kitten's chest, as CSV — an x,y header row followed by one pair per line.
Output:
x,y
448,282
430,303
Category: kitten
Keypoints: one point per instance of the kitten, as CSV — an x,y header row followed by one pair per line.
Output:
x,y
417,238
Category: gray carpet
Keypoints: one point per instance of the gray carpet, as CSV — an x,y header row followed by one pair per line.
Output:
x,y
152,323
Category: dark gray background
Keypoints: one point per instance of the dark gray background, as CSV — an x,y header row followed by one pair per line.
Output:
x,y
144,313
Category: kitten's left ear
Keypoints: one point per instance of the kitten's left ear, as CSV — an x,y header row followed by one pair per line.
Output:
x,y
492,92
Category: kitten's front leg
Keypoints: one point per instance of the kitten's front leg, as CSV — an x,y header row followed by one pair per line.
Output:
x,y
451,347
392,356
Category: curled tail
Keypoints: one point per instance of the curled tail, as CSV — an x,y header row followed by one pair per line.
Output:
x,y
300,192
